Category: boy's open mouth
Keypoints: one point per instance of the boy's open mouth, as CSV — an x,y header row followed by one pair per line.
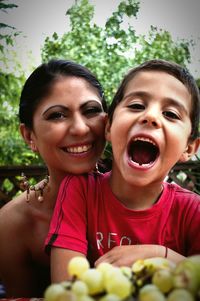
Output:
x,y
143,151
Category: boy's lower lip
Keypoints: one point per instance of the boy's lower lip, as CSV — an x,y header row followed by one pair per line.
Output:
x,y
141,167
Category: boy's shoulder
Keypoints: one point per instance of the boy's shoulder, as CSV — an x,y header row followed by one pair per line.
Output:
x,y
180,193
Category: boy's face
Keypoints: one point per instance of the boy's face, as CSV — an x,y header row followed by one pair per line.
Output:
x,y
151,127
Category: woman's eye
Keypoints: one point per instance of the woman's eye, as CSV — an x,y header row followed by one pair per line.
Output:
x,y
171,115
56,115
136,106
93,110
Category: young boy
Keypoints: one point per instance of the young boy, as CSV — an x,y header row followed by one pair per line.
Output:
x,y
131,212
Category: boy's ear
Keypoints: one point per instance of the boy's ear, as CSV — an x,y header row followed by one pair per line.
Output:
x,y
190,150
107,130
27,135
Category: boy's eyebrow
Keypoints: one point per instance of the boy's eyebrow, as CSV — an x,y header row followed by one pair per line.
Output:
x,y
169,100
136,93
176,103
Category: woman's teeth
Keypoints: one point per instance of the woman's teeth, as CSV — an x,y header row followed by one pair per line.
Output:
x,y
79,149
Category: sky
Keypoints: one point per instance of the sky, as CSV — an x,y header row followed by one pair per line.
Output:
x,y
37,19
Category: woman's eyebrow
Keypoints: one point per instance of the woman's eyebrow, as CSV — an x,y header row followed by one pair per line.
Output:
x,y
55,106
65,108
91,102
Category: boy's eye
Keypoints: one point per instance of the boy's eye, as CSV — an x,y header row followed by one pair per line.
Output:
x,y
56,115
136,106
171,115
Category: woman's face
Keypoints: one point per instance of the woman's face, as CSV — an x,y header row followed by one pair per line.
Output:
x,y
68,127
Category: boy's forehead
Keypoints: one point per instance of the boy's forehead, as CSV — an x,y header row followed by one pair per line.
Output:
x,y
145,78
158,83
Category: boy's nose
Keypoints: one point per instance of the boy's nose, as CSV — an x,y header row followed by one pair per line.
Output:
x,y
151,119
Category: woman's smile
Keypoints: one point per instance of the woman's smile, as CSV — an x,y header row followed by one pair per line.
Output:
x,y
69,126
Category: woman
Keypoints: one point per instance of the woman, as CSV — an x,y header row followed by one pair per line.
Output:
x,y
62,115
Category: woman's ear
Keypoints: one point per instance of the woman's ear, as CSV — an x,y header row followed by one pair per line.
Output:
x,y
27,135
107,130
105,118
190,150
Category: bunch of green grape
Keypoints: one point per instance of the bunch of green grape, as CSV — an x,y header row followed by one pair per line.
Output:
x,y
152,279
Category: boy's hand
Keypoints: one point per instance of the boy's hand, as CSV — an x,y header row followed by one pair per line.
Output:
x,y
126,255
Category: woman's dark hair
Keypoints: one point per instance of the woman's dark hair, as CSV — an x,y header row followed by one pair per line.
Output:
x,y
173,69
39,84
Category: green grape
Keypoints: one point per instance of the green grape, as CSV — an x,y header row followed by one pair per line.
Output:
x,y
109,297
85,298
94,280
53,292
114,272
180,294
66,284
77,266
186,276
109,272
150,292
56,292
69,296
138,266
157,263
126,271
104,267
79,288
163,279
119,285
195,259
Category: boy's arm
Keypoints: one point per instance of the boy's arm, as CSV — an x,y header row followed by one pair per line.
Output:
x,y
69,228
59,261
127,255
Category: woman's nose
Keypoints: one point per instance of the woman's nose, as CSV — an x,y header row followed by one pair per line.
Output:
x,y
79,126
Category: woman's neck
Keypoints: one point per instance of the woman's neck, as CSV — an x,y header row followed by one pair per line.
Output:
x,y
51,191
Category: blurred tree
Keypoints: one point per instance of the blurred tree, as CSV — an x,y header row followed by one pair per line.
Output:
x,y
111,50
4,36
12,148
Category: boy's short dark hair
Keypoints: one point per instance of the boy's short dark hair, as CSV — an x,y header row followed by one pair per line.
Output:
x,y
179,72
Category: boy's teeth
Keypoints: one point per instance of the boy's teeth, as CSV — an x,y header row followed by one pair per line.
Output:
x,y
79,149
143,165
144,139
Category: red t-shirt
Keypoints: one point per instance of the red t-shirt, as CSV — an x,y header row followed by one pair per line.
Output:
x,y
89,219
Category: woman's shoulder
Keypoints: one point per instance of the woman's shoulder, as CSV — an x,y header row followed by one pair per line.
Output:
x,y
15,213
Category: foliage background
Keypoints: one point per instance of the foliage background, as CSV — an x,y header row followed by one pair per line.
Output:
x,y
109,51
